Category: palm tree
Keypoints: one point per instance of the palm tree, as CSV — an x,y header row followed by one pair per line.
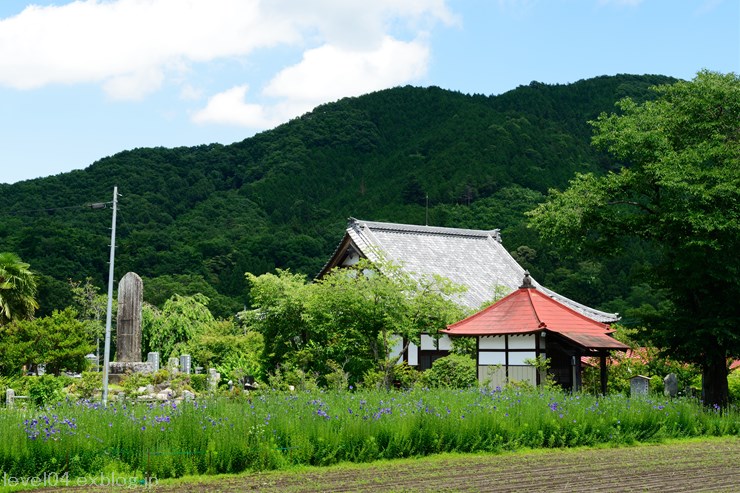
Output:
x,y
17,289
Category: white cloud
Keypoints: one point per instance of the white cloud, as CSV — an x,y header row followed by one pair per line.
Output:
x,y
129,40
325,74
329,71
229,108
135,47
134,86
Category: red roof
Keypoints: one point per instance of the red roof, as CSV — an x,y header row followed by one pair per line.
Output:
x,y
528,310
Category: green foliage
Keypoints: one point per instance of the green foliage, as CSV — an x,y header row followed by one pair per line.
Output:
x,y
90,383
283,430
337,379
290,377
204,215
542,365
134,380
733,383
199,383
181,319
45,390
17,289
679,194
452,372
278,301
60,340
91,307
353,316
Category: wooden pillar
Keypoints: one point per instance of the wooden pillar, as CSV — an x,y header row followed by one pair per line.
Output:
x,y
602,365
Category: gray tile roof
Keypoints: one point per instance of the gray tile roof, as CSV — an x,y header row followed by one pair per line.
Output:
x,y
473,258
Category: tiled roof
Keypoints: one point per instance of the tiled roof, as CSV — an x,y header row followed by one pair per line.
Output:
x,y
529,310
472,258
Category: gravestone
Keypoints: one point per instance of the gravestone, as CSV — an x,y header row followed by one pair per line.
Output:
x,y
185,363
639,385
153,359
213,378
670,385
10,398
128,328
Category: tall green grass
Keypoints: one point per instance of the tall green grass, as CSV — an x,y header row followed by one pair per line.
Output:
x,y
275,430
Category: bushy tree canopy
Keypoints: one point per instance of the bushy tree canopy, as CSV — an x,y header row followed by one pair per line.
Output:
x,y
353,317
679,193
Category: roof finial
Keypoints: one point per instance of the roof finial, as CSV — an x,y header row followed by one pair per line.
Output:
x,y
527,281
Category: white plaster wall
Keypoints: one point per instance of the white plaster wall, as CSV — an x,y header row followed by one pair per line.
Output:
x,y
492,358
491,342
525,341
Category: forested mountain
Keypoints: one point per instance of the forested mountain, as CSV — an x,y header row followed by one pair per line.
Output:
x,y
195,219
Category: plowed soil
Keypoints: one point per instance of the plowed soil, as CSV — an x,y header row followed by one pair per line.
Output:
x,y
706,466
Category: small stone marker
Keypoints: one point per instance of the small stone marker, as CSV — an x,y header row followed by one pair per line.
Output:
x,y
172,364
670,385
639,385
185,363
153,359
128,329
9,398
213,378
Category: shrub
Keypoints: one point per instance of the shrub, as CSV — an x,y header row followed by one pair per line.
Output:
x,y
133,381
453,371
199,383
161,376
337,379
90,383
46,389
288,375
733,382
405,376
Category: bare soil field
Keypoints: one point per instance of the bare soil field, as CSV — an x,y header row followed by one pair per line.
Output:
x,y
694,466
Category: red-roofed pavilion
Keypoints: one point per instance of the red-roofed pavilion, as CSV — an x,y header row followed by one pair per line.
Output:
x,y
527,323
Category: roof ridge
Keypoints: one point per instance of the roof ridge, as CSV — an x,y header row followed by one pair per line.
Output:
x,y
483,233
540,322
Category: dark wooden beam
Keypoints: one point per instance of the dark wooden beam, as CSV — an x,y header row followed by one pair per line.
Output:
x,y
602,364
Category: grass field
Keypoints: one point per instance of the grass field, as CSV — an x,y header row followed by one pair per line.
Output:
x,y
705,465
281,431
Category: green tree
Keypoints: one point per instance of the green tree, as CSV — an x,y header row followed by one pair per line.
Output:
x,y
91,308
17,289
364,312
680,194
223,345
61,341
278,302
352,318
169,330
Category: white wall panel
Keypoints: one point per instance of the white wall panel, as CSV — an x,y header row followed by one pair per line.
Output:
x,y
526,341
445,344
413,354
517,358
491,342
491,358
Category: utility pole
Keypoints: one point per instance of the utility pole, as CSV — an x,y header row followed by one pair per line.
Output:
x,y
106,350
426,212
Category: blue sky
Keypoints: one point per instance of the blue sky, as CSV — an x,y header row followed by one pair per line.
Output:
x,y
86,79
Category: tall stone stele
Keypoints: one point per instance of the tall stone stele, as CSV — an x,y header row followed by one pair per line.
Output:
x,y
128,330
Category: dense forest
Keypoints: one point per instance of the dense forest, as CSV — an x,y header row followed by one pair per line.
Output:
x,y
195,219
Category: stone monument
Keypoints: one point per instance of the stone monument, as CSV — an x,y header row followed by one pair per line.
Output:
x,y
670,385
128,328
639,385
